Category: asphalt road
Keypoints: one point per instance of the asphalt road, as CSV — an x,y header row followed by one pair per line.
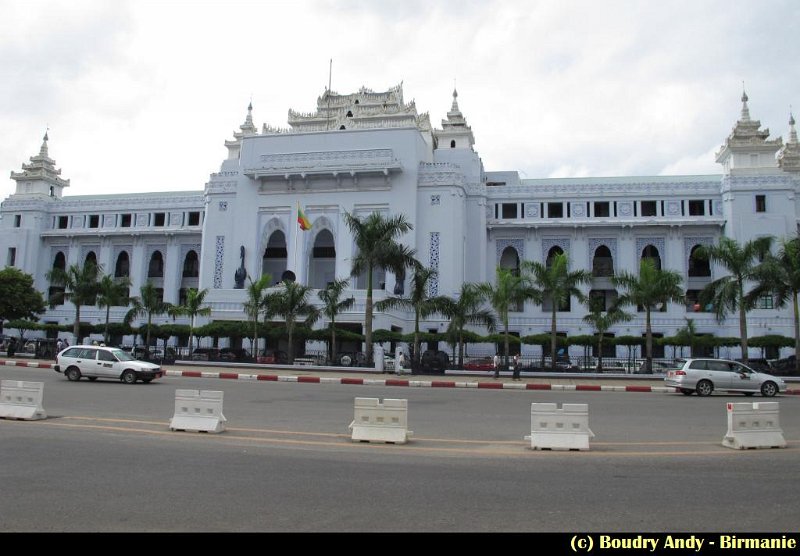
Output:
x,y
105,460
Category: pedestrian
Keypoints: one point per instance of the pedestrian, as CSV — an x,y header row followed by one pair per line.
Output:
x,y
59,345
401,363
12,347
496,362
516,366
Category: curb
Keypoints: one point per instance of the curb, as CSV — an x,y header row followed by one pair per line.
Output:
x,y
396,382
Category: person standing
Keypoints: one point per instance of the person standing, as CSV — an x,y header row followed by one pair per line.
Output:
x,y
516,366
496,362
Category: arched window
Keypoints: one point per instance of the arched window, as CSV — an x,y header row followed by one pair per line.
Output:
x,y
349,114
698,267
123,267
60,261
510,260
91,258
554,251
322,266
191,265
156,267
341,128
274,261
602,263
453,144
650,252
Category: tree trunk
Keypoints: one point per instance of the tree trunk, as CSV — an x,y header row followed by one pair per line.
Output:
x,y
648,342
796,333
553,343
368,319
743,325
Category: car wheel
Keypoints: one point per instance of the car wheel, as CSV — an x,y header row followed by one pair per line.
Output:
x,y
128,377
687,392
704,388
92,378
769,389
345,361
73,374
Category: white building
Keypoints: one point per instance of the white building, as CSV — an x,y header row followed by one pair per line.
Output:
x,y
369,151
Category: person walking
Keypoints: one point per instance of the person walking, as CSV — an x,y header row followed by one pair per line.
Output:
x,y
516,366
496,362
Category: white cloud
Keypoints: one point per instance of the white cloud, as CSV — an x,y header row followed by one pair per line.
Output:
x,y
140,96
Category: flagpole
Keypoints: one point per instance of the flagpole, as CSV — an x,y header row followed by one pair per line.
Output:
x,y
296,239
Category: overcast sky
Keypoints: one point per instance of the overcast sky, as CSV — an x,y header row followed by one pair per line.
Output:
x,y
140,96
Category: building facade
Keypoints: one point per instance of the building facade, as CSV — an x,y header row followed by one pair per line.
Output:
x,y
371,151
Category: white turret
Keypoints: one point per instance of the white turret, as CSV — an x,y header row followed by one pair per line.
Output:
x,y
40,178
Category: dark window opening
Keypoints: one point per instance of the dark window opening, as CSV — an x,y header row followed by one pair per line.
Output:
x,y
650,252
123,266
648,208
453,144
63,222
341,128
555,210
159,219
12,256
183,296
602,263
602,209
94,221
698,266
696,208
194,219
17,220
191,265
125,221
325,252
509,210
156,267
761,203
349,114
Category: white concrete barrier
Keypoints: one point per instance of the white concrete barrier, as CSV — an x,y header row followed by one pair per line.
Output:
x,y
198,410
380,422
753,425
560,429
21,400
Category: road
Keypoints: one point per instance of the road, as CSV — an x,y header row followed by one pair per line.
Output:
x,y
105,460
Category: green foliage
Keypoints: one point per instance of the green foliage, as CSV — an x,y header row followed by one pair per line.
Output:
x,y
18,298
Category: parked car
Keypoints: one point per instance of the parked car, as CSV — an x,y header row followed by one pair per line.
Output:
x,y
233,354
205,354
785,366
659,367
351,359
95,362
435,360
481,364
274,356
706,375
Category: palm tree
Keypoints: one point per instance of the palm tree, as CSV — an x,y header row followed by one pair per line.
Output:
x,y
255,304
80,285
192,308
467,309
332,306
149,303
602,321
780,276
112,292
291,303
652,287
727,294
419,302
555,282
376,241
510,290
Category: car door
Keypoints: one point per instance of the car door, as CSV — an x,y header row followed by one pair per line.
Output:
x,y
87,361
107,364
743,378
721,374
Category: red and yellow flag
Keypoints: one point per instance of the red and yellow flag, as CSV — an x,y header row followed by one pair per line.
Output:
x,y
305,223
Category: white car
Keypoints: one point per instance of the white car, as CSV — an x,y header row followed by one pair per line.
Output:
x,y
706,375
95,362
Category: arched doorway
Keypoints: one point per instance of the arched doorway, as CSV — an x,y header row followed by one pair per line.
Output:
x,y
322,263
274,261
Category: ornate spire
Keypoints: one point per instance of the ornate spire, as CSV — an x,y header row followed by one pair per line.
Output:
x,y
789,155
454,108
792,130
43,150
745,110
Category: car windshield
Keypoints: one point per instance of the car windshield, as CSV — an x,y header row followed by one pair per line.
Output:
x,y
122,356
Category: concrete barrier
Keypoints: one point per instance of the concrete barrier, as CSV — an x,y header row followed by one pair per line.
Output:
x,y
198,410
380,422
566,428
21,400
753,425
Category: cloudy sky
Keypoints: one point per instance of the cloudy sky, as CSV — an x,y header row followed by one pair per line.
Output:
x,y
140,95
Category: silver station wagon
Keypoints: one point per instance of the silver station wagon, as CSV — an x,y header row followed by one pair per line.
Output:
x,y
95,362
706,375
